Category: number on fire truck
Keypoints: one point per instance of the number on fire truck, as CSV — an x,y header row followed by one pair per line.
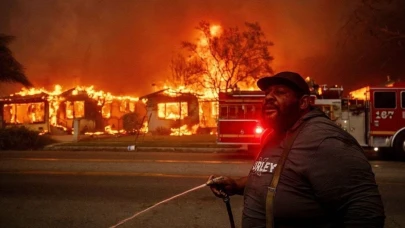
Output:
x,y
384,114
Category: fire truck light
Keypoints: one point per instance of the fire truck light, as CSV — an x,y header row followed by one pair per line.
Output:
x,y
259,130
375,149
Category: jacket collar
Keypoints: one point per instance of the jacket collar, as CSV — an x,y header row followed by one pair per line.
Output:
x,y
315,112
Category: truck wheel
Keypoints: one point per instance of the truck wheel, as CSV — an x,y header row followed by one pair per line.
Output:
x,y
399,146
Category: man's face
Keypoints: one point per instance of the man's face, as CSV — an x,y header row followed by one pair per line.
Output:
x,y
281,107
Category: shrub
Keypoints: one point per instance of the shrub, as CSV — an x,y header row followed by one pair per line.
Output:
x,y
162,131
22,138
132,122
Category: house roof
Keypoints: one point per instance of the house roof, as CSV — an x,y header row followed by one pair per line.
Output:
x,y
152,94
25,98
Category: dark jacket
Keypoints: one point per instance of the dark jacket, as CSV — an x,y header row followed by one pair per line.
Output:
x,y
327,181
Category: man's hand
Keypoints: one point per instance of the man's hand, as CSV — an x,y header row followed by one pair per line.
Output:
x,y
225,186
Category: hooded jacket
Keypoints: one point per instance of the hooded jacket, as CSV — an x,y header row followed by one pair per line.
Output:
x,y
326,182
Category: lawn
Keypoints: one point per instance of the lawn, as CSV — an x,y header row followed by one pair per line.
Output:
x,y
201,140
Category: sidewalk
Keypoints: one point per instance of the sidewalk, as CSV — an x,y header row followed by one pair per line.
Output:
x,y
192,143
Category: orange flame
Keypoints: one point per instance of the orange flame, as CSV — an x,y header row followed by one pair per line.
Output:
x,y
361,94
74,108
215,30
184,130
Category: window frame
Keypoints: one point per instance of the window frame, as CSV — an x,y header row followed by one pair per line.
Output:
x,y
165,105
374,99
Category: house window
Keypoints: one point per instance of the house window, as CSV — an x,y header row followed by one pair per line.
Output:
x,y
132,106
25,113
123,106
74,109
173,110
385,100
127,106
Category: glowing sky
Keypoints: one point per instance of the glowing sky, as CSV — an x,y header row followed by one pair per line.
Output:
x,y
125,45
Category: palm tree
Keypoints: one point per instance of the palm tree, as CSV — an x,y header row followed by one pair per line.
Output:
x,y
10,69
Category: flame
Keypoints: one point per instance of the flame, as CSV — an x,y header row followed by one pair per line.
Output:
x,y
144,127
361,94
184,130
215,30
173,110
74,109
24,113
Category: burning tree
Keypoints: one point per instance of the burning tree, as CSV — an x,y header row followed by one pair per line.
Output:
x,y
10,69
185,72
223,59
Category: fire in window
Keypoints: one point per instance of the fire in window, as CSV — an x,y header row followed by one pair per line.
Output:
x,y
123,106
173,110
132,106
74,109
106,110
25,113
127,106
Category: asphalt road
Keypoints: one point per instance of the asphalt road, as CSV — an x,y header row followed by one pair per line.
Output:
x,y
100,189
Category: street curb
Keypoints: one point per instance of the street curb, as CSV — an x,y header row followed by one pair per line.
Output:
x,y
142,149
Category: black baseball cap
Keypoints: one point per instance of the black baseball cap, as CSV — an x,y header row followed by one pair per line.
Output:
x,y
290,79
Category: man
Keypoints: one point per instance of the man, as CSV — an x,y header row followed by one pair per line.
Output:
x,y
326,180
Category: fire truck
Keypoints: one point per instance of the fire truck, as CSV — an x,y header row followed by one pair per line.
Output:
x,y
375,116
239,117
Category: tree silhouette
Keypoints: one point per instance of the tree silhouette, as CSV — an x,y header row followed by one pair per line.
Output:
x,y
185,72
376,28
10,69
382,19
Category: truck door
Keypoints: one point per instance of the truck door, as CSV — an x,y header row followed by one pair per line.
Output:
x,y
385,116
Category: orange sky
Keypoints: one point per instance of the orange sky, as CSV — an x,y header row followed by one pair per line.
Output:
x,y
125,46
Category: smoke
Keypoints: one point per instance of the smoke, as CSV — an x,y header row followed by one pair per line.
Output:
x,y
125,46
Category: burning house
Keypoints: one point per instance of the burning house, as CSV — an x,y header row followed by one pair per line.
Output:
x,y
96,111
29,111
176,113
